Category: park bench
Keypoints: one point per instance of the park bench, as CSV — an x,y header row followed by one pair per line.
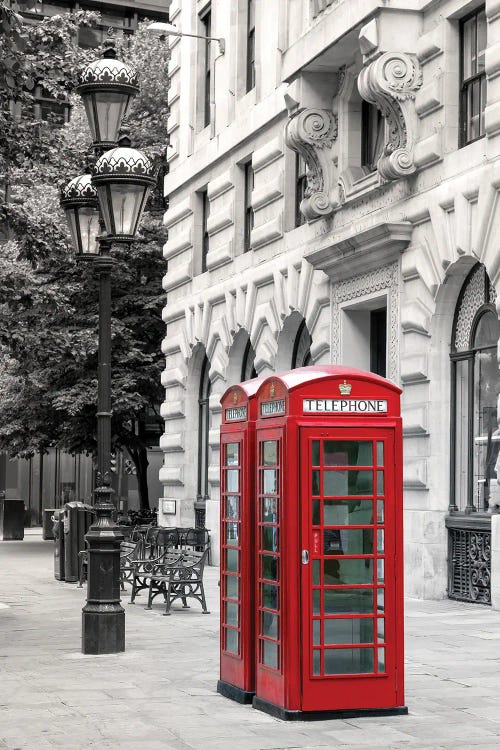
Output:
x,y
179,576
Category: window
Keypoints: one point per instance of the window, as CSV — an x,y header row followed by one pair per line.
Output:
x,y
203,430
475,389
205,238
249,214
300,188
473,77
206,23
372,136
250,45
378,341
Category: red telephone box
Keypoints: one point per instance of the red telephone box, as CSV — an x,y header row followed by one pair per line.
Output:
x,y
329,544
237,502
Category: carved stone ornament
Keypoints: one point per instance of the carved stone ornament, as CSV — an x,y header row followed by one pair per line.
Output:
x,y
311,133
390,83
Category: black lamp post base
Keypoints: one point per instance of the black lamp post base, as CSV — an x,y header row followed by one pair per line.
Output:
x,y
103,629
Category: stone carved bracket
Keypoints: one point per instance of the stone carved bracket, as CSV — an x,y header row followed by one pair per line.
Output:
x,y
390,83
312,132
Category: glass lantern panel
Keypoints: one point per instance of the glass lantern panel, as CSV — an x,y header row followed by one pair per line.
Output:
x,y
127,200
111,108
89,230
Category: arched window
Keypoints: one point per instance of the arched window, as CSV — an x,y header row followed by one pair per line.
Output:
x,y
248,370
301,355
203,429
475,387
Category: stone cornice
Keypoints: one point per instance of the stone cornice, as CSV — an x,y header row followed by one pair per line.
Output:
x,y
363,251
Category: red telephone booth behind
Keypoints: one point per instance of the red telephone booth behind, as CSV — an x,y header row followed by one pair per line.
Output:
x,y
329,542
237,501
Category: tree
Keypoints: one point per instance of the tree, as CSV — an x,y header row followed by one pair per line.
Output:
x,y
49,305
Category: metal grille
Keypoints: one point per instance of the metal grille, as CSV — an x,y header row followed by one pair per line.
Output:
x,y
469,565
199,518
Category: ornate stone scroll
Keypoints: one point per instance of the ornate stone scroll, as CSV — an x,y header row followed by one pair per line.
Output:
x,y
390,83
312,132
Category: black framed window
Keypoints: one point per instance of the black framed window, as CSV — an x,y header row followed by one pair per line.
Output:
x,y
300,188
250,45
205,244
206,23
472,76
249,213
203,430
378,341
372,136
475,380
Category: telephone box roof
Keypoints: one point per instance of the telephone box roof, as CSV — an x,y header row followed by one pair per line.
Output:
x,y
301,375
250,387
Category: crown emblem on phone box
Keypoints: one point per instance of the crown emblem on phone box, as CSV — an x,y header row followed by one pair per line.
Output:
x,y
345,388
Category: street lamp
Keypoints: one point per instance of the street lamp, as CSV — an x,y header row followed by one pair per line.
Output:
x,y
168,29
111,199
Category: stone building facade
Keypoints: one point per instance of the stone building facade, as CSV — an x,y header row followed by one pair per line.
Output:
x,y
334,198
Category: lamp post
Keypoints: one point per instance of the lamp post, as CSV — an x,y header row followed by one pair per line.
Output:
x,y
111,199
168,29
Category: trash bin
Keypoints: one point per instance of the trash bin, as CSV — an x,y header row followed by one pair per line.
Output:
x,y
58,531
11,519
77,519
48,523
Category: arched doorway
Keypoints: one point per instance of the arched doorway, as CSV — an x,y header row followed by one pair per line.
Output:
x,y
294,344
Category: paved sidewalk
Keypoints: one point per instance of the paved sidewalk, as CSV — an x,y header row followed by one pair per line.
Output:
x,y
160,694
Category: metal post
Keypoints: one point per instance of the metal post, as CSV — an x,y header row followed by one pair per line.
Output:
x,y
103,617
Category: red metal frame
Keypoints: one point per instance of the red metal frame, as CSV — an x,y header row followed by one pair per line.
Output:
x,y
294,688
237,587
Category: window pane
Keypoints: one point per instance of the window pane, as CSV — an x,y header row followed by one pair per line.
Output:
x,y
380,571
232,533
232,587
232,560
338,572
461,427
380,540
347,512
348,660
380,453
352,482
317,632
380,600
232,641
315,452
269,625
270,654
231,613
270,481
270,453
381,659
270,509
316,518
316,573
381,629
316,662
348,542
316,601
269,567
380,482
232,506
348,453
481,41
270,593
270,538
232,480
315,482
346,601
232,454
380,511
348,630
469,47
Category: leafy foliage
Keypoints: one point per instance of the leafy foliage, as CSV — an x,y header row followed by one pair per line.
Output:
x,y
48,304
